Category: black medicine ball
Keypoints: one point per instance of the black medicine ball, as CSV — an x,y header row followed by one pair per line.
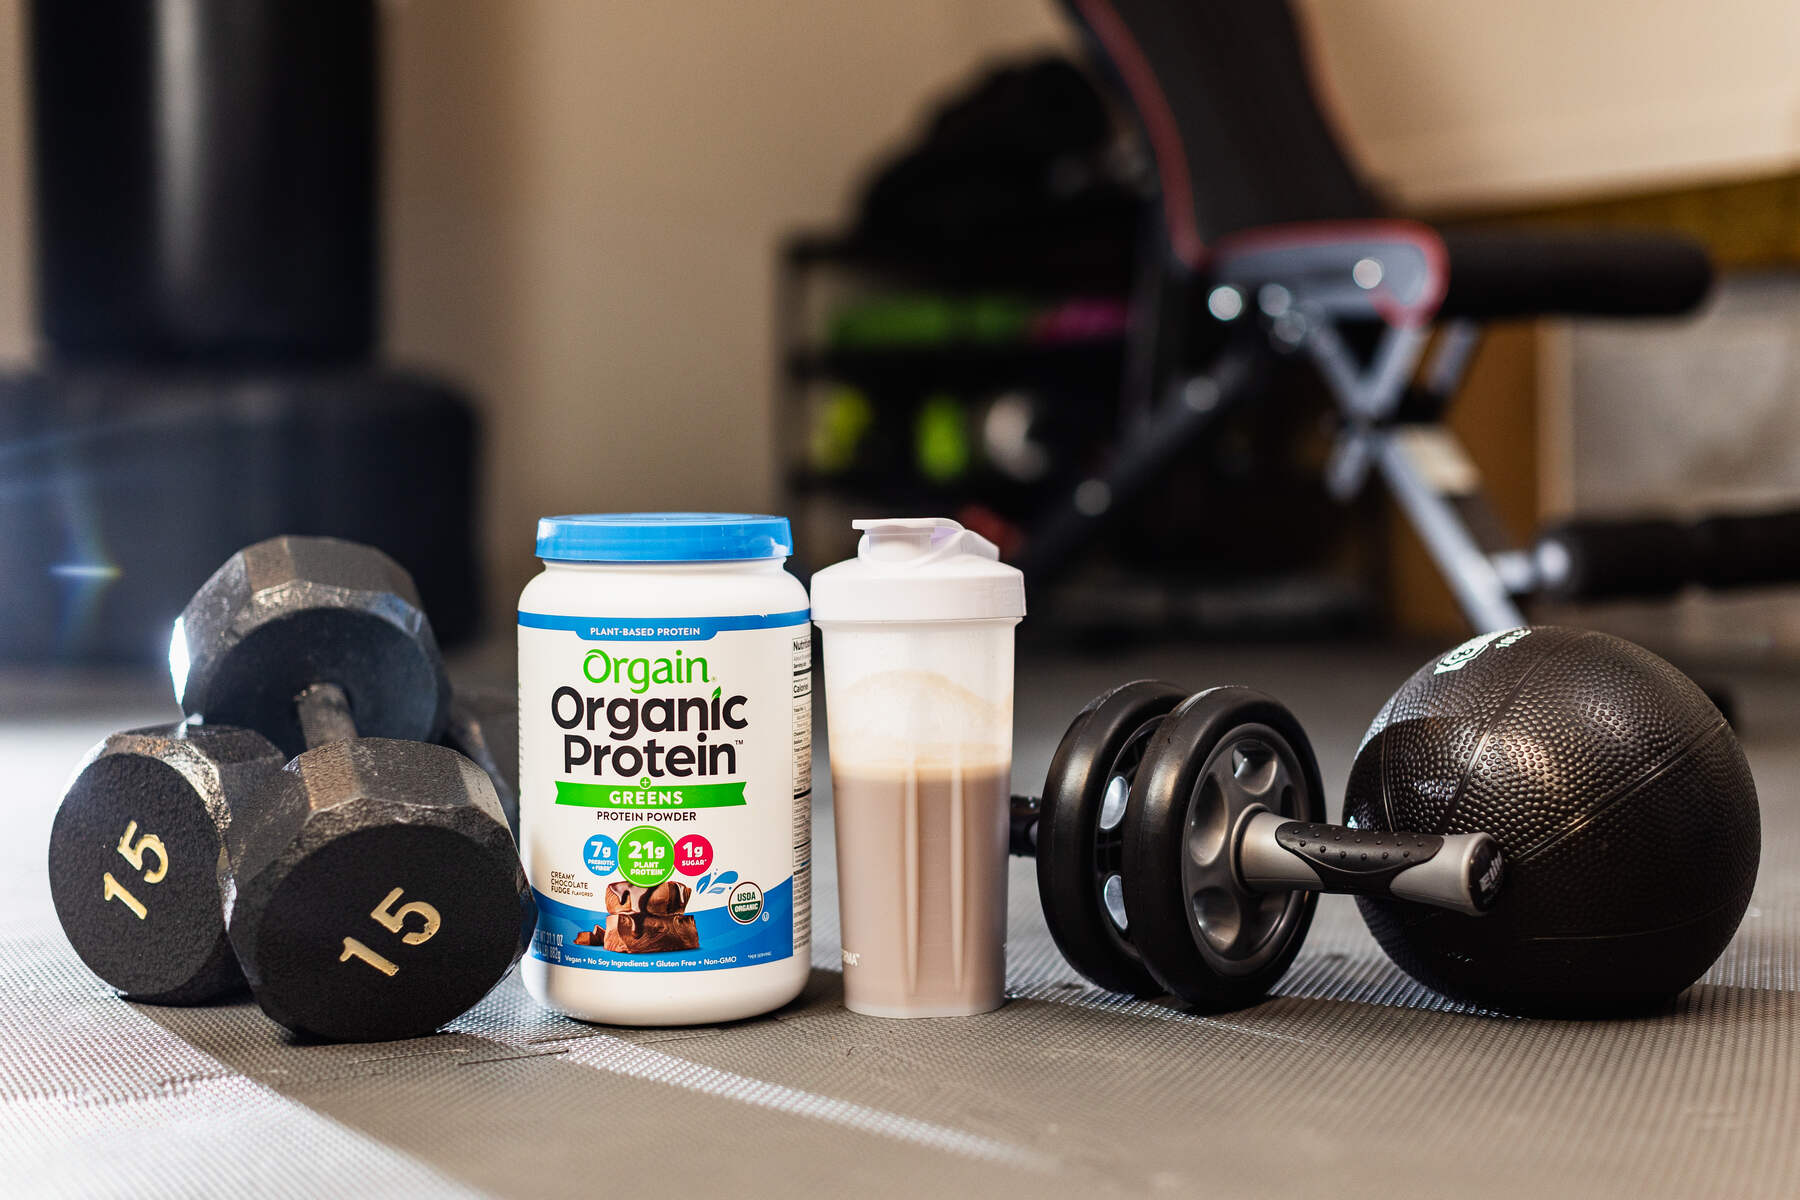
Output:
x,y
1619,794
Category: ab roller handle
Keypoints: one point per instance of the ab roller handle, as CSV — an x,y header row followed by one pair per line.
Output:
x,y
1460,871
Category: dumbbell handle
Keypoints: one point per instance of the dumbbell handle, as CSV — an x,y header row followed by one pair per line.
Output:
x,y
324,712
1460,871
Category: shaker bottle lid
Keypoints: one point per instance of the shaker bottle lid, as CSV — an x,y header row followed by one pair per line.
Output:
x,y
918,569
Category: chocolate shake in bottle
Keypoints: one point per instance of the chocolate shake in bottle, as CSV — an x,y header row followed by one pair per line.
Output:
x,y
918,644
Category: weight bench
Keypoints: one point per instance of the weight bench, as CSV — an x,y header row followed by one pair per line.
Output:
x,y
1266,224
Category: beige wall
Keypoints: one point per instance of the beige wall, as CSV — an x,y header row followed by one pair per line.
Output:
x,y
1486,103
584,202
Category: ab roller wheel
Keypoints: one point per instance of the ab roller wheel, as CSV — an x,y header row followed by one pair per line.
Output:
x,y
1181,841
1219,759
1080,839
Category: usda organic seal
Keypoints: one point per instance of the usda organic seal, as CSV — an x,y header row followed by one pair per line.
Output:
x,y
745,903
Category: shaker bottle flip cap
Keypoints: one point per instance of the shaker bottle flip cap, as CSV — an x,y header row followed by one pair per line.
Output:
x,y
919,569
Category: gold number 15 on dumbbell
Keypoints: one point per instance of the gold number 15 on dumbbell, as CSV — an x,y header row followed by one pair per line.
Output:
x,y
133,853
395,921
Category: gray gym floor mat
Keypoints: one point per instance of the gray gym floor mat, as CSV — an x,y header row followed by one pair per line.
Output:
x,y
1351,1082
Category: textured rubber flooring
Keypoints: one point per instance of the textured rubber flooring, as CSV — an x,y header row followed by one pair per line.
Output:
x,y
1350,1082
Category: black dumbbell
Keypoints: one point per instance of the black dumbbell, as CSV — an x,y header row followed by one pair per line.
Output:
x,y
1181,844
137,857
290,612
164,830
375,891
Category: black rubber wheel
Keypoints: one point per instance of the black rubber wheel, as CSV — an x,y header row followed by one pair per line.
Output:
x,y
1218,757
1076,857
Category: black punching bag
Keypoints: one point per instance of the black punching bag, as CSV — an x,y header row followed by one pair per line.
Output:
x,y
206,193
205,178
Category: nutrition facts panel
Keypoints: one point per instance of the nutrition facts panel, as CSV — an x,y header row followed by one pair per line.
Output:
x,y
802,661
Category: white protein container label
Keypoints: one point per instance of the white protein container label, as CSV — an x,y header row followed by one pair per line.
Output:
x,y
663,751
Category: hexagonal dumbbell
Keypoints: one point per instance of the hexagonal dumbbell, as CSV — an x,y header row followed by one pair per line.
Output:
x,y
376,893
137,857
291,612
374,890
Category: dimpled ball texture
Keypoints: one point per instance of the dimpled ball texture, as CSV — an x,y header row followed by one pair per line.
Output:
x,y
1619,794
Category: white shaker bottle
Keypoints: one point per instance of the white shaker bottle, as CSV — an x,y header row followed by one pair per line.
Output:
x,y
918,645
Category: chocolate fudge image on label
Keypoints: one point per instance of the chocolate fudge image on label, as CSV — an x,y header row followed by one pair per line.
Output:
x,y
651,933
645,920
664,898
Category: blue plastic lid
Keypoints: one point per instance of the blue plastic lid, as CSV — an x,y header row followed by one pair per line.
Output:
x,y
663,537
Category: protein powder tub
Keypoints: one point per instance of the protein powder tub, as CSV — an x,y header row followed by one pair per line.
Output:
x,y
665,767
